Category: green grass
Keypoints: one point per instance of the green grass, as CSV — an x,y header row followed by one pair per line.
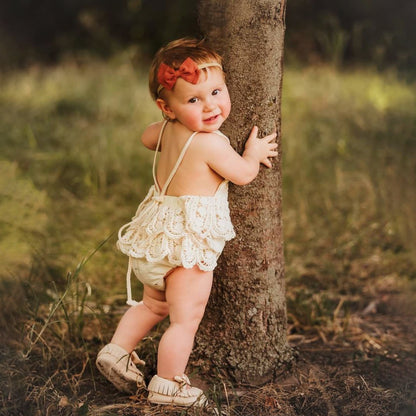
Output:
x,y
350,150
71,134
349,161
74,131
72,170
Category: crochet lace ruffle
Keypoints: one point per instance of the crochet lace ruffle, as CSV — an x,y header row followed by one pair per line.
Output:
x,y
188,230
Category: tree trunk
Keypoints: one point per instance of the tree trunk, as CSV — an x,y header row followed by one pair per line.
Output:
x,y
243,333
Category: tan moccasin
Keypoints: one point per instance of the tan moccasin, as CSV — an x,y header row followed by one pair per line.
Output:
x,y
119,367
175,392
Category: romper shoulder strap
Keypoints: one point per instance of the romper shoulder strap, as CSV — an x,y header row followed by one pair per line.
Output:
x,y
156,152
177,164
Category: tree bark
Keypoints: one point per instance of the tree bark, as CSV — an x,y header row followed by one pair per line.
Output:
x,y
243,333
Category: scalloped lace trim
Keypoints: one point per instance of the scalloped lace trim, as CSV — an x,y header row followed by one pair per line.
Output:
x,y
187,230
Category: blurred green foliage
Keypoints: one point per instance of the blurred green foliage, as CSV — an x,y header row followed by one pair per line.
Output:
x,y
349,176
22,217
74,131
356,132
70,146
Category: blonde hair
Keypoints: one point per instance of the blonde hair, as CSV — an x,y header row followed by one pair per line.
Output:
x,y
173,55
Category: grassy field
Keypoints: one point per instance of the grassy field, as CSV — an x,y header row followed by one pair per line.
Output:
x,y
72,171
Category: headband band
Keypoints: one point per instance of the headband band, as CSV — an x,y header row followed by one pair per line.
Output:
x,y
188,70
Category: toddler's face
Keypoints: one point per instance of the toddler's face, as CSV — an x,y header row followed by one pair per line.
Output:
x,y
199,107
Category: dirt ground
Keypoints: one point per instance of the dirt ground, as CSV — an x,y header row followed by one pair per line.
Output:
x,y
367,370
372,373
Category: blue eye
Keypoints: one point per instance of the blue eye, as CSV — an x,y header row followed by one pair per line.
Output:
x,y
193,100
216,92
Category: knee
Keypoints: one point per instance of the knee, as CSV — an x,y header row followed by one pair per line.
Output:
x,y
188,326
198,314
198,310
194,318
158,307
193,325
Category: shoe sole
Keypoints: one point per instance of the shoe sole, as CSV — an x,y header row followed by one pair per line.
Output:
x,y
157,398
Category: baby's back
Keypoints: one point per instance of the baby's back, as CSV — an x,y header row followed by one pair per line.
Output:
x,y
193,176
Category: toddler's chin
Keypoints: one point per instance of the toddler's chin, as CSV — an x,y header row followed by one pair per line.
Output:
x,y
209,129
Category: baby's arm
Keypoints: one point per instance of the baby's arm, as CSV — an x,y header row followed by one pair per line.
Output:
x,y
241,170
151,134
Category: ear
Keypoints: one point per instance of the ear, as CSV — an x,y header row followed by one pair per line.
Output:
x,y
164,106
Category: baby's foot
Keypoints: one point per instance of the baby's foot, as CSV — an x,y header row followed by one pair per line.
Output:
x,y
177,392
119,367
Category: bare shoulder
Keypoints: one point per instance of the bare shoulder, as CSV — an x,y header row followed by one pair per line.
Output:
x,y
211,142
151,134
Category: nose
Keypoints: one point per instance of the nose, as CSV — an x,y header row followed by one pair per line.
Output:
x,y
209,104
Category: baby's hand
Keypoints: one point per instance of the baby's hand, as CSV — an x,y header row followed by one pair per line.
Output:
x,y
261,149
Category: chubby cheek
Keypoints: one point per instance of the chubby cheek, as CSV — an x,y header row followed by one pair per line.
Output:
x,y
226,108
191,120
192,116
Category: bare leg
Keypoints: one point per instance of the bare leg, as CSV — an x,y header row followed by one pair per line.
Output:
x,y
140,319
187,293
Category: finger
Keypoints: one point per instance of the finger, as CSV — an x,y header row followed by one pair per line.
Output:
x,y
253,133
273,154
271,137
266,162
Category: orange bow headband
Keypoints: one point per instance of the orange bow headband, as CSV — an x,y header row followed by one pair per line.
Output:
x,y
188,70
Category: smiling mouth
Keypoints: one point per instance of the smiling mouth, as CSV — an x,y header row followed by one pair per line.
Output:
x,y
213,118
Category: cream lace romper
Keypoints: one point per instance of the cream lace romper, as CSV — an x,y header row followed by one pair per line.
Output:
x,y
170,231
